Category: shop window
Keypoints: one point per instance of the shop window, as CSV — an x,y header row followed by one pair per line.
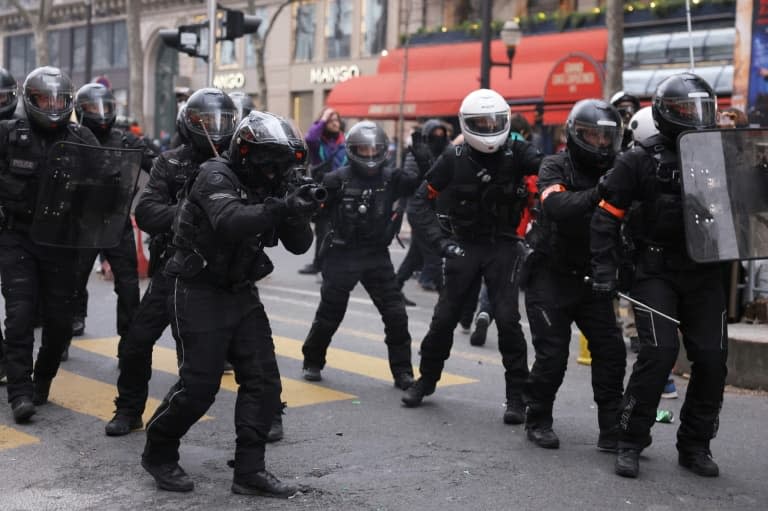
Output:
x,y
251,39
630,51
120,45
719,44
78,49
338,29
54,48
101,46
304,32
653,49
679,46
20,55
374,27
227,55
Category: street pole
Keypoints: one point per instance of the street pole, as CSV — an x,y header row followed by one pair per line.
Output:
x,y
211,40
485,55
88,41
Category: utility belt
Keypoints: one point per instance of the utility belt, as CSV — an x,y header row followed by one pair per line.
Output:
x,y
655,259
12,222
190,265
481,236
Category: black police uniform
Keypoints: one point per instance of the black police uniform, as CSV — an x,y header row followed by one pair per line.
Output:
x,y
669,281
32,274
362,227
557,296
154,215
484,195
122,258
219,233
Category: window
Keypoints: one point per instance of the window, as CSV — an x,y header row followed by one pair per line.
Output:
x,y
54,48
374,27
653,49
679,46
101,46
21,55
227,56
338,29
78,49
120,45
250,39
304,34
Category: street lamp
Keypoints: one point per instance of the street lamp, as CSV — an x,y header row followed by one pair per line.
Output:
x,y
510,35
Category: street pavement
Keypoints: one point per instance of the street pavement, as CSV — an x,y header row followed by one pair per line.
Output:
x,y
349,443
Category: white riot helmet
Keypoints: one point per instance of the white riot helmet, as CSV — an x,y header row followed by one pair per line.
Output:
x,y
641,124
484,120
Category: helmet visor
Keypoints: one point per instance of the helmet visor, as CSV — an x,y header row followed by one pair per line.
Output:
x,y
487,124
7,96
53,102
368,154
604,134
98,108
696,110
216,124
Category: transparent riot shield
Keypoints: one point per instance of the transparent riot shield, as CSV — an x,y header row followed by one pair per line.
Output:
x,y
725,193
85,195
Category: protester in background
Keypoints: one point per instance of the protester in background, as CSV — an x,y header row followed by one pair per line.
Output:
x,y
327,152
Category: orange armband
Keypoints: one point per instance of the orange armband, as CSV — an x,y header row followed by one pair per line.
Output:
x,y
613,210
432,193
550,190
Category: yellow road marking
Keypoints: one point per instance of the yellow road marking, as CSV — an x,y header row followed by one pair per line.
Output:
x,y
352,362
90,397
295,393
11,438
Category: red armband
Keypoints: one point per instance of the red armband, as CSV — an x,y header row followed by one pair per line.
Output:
x,y
613,210
551,189
432,193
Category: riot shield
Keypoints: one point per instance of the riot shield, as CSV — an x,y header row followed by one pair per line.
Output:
x,y
725,193
85,195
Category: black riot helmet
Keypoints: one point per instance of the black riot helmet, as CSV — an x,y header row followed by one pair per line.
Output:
x,y
48,97
8,94
264,149
593,134
243,103
684,102
367,148
434,134
626,104
209,118
95,108
180,128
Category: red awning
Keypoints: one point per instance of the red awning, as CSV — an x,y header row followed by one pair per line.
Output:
x,y
439,76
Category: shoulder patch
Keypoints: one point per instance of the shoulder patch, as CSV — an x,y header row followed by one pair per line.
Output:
x,y
215,178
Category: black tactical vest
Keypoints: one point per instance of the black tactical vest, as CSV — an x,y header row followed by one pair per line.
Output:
x,y
363,216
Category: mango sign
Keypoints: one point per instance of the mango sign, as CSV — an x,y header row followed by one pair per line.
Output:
x,y
574,77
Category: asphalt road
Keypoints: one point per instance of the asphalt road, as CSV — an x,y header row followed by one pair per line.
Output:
x,y
350,443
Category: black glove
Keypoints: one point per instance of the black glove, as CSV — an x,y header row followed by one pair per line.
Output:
x,y
451,250
300,202
602,188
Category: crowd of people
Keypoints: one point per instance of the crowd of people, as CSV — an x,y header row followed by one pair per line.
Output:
x,y
490,216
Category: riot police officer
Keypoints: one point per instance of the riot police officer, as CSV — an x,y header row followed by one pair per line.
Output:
x,y
95,109
428,144
665,279
627,105
359,208
8,101
556,294
208,123
481,185
30,272
235,207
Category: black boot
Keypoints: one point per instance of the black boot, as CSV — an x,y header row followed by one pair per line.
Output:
x,y
65,353
699,462
543,437
23,408
169,476
403,381
311,373
481,329
627,462
122,424
608,440
309,269
263,483
78,326
416,392
276,428
515,411
40,391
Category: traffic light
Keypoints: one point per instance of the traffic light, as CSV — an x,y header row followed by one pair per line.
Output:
x,y
237,24
187,39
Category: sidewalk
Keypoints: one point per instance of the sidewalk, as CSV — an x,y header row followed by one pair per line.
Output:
x,y
747,356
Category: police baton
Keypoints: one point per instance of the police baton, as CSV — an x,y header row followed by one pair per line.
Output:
x,y
640,304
